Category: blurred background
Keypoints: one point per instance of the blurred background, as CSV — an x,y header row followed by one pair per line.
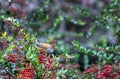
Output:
x,y
59,22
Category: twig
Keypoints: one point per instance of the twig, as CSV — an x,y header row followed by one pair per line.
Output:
x,y
10,73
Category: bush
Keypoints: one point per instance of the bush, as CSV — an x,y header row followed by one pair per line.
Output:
x,y
40,42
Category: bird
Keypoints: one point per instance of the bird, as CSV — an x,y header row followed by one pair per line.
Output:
x,y
44,47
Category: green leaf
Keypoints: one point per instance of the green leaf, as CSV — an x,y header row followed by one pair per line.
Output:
x,y
4,35
80,22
